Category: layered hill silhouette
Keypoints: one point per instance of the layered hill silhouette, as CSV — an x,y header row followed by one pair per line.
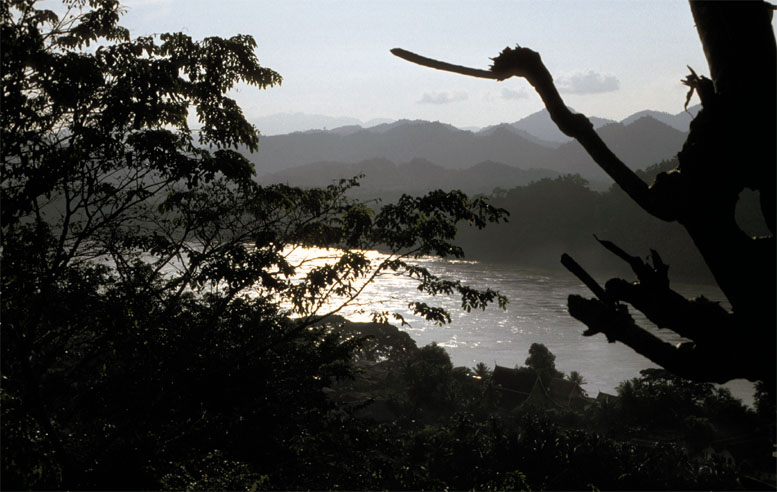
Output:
x,y
540,126
283,123
416,176
679,121
416,155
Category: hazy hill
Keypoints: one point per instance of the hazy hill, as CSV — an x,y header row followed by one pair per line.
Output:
x,y
540,126
679,121
284,123
537,126
522,133
402,141
416,176
641,143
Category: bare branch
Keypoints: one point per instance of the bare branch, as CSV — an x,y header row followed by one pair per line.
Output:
x,y
636,264
439,65
584,277
689,360
523,62
698,319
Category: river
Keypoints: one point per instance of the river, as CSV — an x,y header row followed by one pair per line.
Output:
x,y
537,313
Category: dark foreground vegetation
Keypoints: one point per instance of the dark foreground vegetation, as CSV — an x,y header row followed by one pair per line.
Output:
x,y
157,332
154,317
358,406
421,423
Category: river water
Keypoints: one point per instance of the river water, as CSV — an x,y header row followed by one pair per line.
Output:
x,y
537,313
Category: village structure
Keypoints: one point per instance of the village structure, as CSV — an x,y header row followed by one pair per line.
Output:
x,y
524,387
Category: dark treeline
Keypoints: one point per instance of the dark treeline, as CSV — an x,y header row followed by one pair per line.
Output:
x,y
408,419
557,215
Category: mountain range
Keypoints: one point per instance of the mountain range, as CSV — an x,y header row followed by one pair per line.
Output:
x,y
537,124
417,155
283,123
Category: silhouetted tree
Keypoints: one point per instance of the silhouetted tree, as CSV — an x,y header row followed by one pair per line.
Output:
x,y
730,147
428,376
694,412
765,404
543,362
576,378
482,371
155,321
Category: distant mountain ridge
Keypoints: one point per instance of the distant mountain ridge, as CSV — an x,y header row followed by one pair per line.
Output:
x,y
540,126
640,143
285,123
679,121
401,141
537,125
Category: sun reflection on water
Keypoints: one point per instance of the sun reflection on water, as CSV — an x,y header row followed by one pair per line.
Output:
x,y
537,314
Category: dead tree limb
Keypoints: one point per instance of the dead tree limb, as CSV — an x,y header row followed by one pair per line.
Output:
x,y
584,277
525,63
732,145
700,320
439,65
697,319
686,359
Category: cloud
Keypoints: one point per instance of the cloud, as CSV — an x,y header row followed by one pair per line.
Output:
x,y
442,97
589,82
510,94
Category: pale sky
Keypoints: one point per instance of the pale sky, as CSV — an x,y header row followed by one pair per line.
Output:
x,y
612,58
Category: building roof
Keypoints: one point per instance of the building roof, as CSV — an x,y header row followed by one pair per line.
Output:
x,y
520,380
525,385
606,398
564,389
568,394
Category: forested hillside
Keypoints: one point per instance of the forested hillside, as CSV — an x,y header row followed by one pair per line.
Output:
x,y
557,215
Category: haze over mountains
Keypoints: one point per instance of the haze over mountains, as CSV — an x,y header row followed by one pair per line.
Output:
x,y
283,123
420,155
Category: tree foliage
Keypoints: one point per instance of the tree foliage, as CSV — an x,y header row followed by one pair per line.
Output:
x,y
542,361
475,441
576,378
158,321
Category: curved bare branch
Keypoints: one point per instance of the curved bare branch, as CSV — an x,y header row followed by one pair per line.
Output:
x,y
525,63
440,65
690,360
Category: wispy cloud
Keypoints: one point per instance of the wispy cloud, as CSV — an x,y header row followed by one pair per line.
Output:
x,y
442,97
589,82
510,94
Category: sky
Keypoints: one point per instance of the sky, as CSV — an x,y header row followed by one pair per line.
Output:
x,y
609,58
